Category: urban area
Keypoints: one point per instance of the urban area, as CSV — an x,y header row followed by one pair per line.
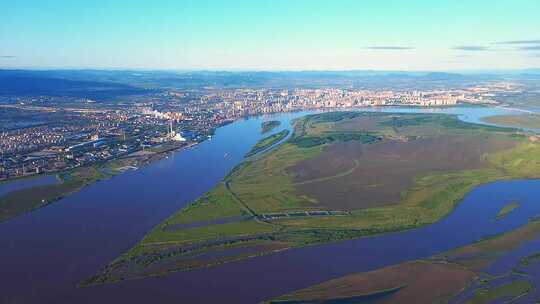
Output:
x,y
58,138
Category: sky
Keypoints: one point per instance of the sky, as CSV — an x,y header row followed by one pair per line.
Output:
x,y
271,34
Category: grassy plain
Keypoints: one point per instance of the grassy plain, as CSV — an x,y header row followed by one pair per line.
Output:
x,y
405,171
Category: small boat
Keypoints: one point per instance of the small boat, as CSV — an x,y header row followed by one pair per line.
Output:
x,y
225,155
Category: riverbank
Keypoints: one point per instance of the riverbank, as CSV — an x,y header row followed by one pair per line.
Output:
x,y
22,201
55,248
299,180
526,120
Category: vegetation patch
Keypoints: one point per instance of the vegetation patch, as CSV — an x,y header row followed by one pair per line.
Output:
x,y
435,280
508,292
528,121
19,202
507,210
411,282
268,126
267,142
22,201
530,259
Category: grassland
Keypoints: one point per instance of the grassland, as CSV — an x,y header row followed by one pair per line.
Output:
x,y
268,126
267,142
400,168
529,121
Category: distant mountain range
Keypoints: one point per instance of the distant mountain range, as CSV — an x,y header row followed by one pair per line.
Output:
x,y
112,84
51,83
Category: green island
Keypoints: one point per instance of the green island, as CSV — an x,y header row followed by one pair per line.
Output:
x,y
530,259
433,280
19,202
507,210
268,126
267,142
340,175
530,121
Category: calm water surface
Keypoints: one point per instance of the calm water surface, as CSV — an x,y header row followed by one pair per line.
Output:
x,y
27,183
47,252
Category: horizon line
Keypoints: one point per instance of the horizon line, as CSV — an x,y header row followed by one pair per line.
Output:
x,y
247,70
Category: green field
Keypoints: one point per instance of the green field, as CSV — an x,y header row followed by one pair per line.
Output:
x,y
408,169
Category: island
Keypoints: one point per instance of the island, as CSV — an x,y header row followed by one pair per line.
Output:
x,y
267,142
268,126
506,210
340,175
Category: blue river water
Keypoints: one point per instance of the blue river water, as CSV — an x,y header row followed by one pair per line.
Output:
x,y
27,183
47,252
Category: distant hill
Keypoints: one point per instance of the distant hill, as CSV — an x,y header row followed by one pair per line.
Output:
x,y
109,84
34,83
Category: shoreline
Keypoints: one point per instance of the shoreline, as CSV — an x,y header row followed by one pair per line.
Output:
x,y
23,201
346,234
212,131
144,159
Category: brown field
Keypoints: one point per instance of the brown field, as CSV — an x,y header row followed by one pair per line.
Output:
x,y
366,123
421,282
352,176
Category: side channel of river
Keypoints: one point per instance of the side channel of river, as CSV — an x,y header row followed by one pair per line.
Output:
x,y
47,252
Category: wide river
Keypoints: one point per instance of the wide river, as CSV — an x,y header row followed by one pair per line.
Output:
x,y
45,253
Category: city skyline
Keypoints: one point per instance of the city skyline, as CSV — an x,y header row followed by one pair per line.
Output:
x,y
271,35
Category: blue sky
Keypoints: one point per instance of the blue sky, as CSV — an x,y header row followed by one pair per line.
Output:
x,y
271,34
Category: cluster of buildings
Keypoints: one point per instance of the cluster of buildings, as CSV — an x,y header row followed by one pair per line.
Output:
x,y
94,137
99,133
230,104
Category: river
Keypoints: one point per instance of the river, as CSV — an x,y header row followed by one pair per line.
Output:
x,y
47,252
